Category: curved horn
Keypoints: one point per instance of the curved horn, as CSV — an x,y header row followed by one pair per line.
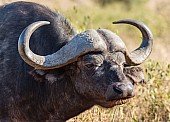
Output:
x,y
137,56
79,45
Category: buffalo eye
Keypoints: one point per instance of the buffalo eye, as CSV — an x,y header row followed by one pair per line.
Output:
x,y
90,65
93,60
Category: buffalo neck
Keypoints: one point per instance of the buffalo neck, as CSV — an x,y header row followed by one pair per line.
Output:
x,y
69,103
40,101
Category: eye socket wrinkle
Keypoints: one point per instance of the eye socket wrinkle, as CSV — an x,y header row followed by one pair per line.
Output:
x,y
90,65
94,53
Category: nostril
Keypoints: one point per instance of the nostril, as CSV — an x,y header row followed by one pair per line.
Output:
x,y
117,90
125,90
130,90
130,86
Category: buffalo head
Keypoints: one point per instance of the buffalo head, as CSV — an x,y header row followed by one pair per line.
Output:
x,y
99,64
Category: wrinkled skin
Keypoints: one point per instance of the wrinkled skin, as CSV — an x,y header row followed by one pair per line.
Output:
x,y
28,94
99,74
91,83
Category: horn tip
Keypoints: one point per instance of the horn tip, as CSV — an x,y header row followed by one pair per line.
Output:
x,y
46,22
42,22
127,21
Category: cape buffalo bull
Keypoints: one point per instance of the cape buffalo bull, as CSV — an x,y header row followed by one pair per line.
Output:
x,y
51,73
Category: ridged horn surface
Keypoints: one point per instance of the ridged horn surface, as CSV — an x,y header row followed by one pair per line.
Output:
x,y
140,54
81,44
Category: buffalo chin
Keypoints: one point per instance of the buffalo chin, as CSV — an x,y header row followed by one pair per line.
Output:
x,y
112,103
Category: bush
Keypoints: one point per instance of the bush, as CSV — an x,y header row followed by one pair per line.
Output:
x,y
129,3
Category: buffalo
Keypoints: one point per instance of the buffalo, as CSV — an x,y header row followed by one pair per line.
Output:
x,y
49,72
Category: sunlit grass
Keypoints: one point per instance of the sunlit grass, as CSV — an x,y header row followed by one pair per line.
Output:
x,y
152,100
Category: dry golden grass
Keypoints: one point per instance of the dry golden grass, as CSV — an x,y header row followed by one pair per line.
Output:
x,y
152,100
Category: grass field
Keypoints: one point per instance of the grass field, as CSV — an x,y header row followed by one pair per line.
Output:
x,y
152,100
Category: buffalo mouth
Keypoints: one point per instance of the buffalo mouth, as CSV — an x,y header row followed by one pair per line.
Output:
x,y
120,101
115,102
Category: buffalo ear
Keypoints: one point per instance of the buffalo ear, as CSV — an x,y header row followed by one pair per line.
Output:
x,y
46,75
38,75
135,74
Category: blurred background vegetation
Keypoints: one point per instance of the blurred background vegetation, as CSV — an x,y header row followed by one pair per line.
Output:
x,y
152,100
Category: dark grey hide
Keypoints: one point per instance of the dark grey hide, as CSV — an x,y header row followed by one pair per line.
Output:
x,y
104,75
